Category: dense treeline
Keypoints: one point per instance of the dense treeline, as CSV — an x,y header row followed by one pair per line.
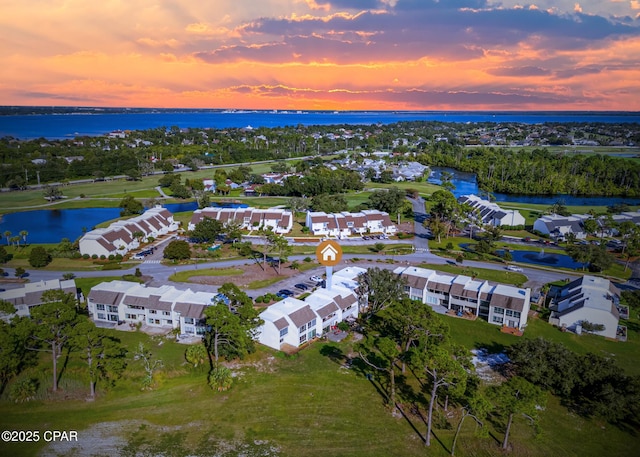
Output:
x,y
435,143
539,171
589,384
317,181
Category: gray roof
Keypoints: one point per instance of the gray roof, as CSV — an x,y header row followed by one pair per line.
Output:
x,y
281,323
105,297
505,301
327,309
193,310
303,315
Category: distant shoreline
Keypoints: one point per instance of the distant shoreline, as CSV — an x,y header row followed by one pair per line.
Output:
x,y
13,110
60,123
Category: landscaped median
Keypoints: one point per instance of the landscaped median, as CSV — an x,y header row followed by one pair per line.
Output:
x,y
185,276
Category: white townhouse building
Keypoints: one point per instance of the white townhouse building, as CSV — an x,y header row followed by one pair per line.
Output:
x,y
292,322
278,220
289,322
590,299
499,304
345,224
30,295
491,214
163,307
119,238
558,226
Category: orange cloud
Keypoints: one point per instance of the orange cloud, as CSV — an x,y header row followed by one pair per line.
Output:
x,y
320,54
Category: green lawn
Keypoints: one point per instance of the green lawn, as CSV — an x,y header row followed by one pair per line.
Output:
x,y
284,406
502,276
184,276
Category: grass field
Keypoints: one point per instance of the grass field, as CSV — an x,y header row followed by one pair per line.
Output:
x,y
293,406
502,276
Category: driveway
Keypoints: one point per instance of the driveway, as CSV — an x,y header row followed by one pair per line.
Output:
x,y
422,233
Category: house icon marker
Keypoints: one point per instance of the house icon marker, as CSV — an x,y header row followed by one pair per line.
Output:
x,y
329,253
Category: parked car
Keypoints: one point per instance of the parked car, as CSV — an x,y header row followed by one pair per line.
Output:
x,y
285,292
301,286
514,268
315,278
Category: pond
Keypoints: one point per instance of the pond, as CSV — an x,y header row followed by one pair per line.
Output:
x,y
52,225
544,258
548,259
466,183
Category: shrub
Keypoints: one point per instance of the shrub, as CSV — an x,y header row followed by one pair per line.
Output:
x,y
111,257
343,326
449,245
94,256
76,255
307,259
39,257
220,378
85,256
258,299
24,390
118,257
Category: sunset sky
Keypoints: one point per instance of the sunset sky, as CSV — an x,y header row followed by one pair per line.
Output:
x,y
322,54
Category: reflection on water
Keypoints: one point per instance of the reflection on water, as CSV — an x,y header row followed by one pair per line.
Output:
x,y
466,183
52,225
542,258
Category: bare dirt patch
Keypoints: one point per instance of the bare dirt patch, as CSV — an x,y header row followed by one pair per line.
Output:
x,y
252,272
489,366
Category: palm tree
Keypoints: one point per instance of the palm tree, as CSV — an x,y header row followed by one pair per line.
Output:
x,y
24,234
7,235
545,291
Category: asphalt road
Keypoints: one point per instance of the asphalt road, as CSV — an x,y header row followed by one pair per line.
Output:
x,y
160,273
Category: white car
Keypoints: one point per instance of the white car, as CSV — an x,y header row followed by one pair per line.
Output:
x,y
514,268
316,278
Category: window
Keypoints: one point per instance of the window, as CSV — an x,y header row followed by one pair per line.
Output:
x,y
312,334
113,317
168,321
166,313
188,320
311,324
512,313
498,310
100,307
498,319
284,331
112,309
303,338
302,329
432,300
416,297
130,316
153,311
102,316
